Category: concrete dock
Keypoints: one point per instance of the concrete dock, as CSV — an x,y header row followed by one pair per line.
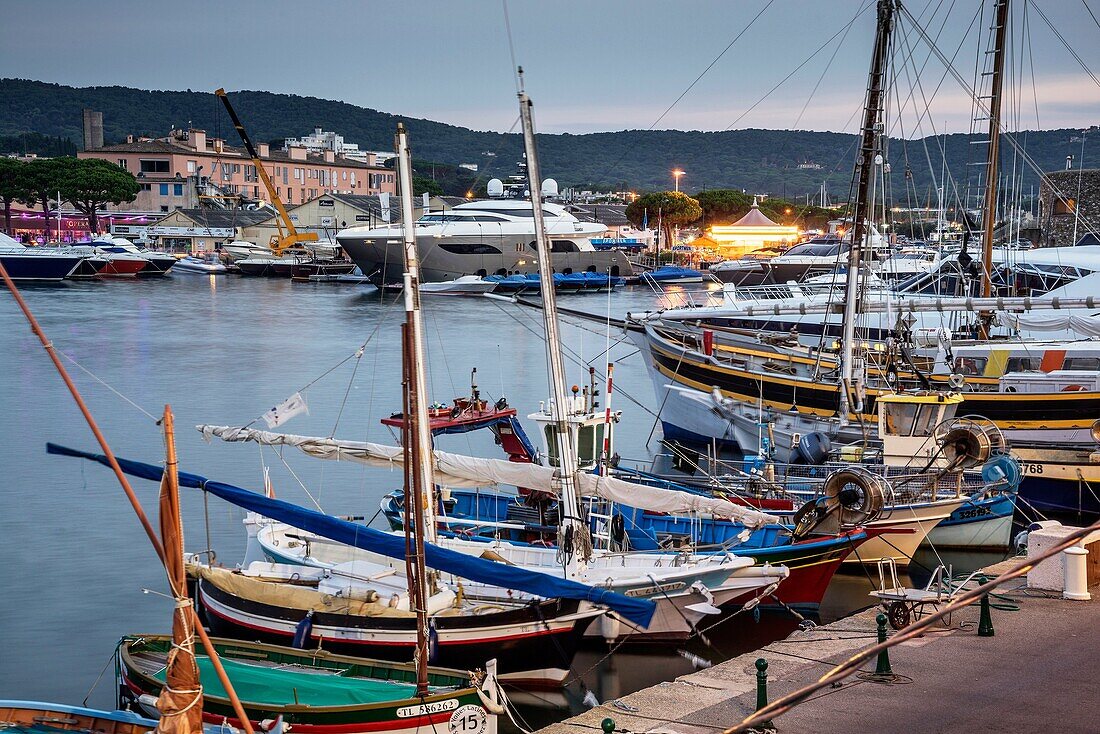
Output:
x,y
1037,672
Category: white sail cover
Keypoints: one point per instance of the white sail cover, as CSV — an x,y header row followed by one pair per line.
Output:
x,y
459,470
1086,325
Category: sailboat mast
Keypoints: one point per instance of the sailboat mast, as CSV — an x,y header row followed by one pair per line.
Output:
x,y
418,441
415,569
422,427
864,168
565,478
989,213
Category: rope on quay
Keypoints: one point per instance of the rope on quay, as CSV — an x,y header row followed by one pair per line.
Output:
x,y
849,666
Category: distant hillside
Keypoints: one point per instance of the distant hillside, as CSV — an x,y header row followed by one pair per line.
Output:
x,y
760,161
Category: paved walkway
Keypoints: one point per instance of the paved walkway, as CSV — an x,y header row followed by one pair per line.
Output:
x,y
1039,672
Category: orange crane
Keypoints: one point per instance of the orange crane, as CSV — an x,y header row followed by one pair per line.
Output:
x,y
288,236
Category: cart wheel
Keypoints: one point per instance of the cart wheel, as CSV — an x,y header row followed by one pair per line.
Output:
x,y
898,614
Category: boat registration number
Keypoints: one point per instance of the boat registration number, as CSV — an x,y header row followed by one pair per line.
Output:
x,y
1032,468
657,589
426,709
469,719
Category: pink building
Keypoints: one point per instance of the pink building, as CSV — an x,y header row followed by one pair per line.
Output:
x,y
177,171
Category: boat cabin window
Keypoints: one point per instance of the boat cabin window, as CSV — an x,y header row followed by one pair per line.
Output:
x,y
1023,364
469,248
529,213
590,443
563,246
589,440
970,365
910,419
1082,364
815,250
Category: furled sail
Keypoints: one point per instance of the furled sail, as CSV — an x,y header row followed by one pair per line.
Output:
x,y
459,470
461,565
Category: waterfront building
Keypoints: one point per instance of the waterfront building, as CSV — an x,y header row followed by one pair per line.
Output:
x,y
201,230
186,170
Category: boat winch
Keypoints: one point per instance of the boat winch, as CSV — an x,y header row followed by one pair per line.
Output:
x,y
969,441
849,497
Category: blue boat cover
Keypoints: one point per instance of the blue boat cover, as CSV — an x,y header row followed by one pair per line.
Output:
x,y
638,611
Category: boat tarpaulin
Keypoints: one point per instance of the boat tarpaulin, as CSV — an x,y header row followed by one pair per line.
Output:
x,y
459,470
638,611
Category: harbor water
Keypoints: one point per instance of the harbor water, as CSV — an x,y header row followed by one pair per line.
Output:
x,y
77,570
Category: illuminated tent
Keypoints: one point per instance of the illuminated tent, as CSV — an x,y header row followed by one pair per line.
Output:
x,y
750,233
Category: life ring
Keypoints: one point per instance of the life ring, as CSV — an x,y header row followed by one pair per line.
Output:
x,y
1074,388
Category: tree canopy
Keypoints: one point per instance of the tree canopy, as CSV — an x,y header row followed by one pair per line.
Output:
x,y
425,185
670,208
723,206
90,184
12,186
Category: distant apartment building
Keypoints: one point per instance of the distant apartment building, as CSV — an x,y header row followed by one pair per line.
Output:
x,y
322,140
180,170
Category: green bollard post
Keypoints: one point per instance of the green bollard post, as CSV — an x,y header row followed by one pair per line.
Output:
x,y
985,620
882,667
608,725
762,691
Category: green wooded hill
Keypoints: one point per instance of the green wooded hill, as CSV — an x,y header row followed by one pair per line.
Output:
x,y
759,161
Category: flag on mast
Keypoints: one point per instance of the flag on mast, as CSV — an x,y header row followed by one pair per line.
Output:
x,y
284,411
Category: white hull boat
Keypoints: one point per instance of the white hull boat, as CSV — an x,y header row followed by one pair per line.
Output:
x,y
467,285
207,265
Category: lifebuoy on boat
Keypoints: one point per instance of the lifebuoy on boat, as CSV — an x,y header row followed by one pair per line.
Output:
x,y
1074,388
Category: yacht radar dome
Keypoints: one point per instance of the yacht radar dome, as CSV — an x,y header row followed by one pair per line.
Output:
x,y
549,187
495,187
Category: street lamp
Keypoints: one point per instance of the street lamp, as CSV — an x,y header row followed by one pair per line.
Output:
x,y
676,177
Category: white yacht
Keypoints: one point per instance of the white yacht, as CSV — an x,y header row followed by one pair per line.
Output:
x,y
490,237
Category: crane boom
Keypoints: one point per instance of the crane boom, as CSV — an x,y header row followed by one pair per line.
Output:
x,y
288,236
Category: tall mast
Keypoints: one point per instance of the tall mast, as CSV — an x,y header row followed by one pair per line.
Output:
x,y
865,165
418,441
422,429
989,213
565,478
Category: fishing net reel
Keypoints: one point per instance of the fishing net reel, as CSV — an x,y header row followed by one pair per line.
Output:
x,y
849,497
969,441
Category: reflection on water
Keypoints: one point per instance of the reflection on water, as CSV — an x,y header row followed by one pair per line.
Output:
x,y
224,350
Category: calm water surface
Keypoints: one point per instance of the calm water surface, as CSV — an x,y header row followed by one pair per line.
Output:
x,y
223,350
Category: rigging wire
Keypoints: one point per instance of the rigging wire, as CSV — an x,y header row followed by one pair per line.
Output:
x,y
610,169
862,9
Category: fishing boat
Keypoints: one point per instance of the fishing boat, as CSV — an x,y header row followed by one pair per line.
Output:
x,y
38,717
1061,481
208,264
312,691
466,285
